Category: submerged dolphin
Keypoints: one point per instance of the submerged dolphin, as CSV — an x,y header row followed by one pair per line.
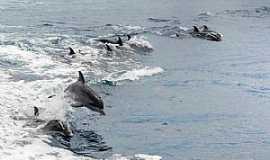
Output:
x,y
84,96
53,125
58,126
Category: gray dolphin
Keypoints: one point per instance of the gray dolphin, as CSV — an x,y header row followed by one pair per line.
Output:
x,y
53,125
119,41
84,96
58,126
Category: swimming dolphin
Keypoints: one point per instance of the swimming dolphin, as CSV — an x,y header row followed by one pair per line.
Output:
x,y
84,96
205,33
119,41
106,41
53,125
58,126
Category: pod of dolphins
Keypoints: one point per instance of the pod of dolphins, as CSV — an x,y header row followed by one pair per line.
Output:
x,y
83,96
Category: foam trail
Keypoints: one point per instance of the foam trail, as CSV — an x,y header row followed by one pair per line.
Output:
x,y
135,74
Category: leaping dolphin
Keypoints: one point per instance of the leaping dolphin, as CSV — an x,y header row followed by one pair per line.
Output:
x,y
84,96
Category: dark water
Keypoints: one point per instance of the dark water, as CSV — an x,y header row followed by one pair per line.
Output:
x,y
210,102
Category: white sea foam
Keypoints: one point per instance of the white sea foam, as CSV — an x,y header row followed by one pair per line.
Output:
x,y
135,74
135,157
140,44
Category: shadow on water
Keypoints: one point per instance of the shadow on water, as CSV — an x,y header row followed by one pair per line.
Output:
x,y
87,143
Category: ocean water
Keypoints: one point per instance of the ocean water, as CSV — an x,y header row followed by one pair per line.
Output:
x,y
166,97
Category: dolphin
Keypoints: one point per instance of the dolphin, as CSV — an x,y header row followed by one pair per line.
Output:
x,y
84,96
119,41
205,33
53,125
58,126
106,41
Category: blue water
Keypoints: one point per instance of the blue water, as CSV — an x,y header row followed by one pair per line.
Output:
x,y
209,101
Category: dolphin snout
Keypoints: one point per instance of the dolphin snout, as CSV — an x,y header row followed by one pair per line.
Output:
x,y
101,106
100,103
97,106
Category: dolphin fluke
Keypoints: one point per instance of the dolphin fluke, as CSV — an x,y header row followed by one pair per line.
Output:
x,y
81,77
71,51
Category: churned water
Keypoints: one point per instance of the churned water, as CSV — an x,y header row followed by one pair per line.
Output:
x,y
165,96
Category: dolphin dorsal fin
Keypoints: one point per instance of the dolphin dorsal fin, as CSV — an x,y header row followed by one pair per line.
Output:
x,y
205,28
108,48
129,37
71,51
120,42
81,78
195,29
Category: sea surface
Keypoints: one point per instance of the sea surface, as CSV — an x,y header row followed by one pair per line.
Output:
x,y
166,97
